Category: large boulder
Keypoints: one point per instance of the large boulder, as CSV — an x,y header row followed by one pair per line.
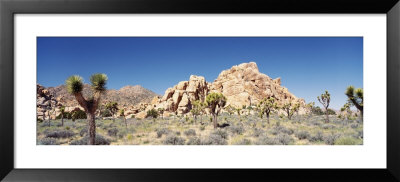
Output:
x,y
245,85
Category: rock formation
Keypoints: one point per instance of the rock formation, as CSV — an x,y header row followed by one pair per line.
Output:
x,y
46,103
245,85
242,85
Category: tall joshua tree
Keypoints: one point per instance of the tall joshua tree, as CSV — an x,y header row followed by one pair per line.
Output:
x,y
290,108
356,97
75,87
325,99
310,107
347,110
215,101
267,106
113,108
198,109
122,114
62,113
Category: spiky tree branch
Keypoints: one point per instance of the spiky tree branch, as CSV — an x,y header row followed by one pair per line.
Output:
x,y
356,97
325,99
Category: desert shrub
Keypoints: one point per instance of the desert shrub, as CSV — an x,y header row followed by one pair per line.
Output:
x,y
67,115
359,134
317,110
243,142
124,131
60,134
238,129
45,124
288,131
354,125
221,133
162,131
174,140
264,140
284,139
319,136
327,126
190,132
47,141
281,129
330,139
330,112
78,114
106,113
301,135
194,141
345,141
202,128
99,140
83,132
258,132
112,132
67,128
315,123
214,139
129,137
152,113
178,133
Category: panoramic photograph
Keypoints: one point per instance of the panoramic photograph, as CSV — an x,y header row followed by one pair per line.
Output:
x,y
199,91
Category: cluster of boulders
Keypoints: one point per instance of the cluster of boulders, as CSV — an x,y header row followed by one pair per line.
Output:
x,y
45,103
242,85
48,106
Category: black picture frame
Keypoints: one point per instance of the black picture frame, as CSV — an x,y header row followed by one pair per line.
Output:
x,y
8,8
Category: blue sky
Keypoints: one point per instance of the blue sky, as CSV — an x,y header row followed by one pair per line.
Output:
x,y
307,65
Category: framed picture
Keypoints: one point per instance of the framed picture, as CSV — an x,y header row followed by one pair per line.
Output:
x,y
106,91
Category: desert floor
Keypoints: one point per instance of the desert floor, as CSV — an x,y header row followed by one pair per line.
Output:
x,y
243,130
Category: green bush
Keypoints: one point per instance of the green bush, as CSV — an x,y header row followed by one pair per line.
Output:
x,y
174,140
190,132
106,113
346,141
100,140
243,142
152,113
47,141
302,135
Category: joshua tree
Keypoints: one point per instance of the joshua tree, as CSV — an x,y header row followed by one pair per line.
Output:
x,y
249,109
62,112
290,108
215,101
113,108
356,97
267,106
346,107
199,109
122,113
196,109
49,116
310,107
161,111
75,87
230,109
325,99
